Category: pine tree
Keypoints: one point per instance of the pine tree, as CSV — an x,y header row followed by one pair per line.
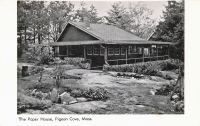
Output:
x,y
172,28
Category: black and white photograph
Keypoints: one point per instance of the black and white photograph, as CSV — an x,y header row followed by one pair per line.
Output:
x,y
100,57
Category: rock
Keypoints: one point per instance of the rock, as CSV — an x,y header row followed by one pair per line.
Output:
x,y
63,94
39,95
152,92
48,95
54,95
175,97
82,99
168,77
65,97
33,92
72,102
89,99
44,95
65,103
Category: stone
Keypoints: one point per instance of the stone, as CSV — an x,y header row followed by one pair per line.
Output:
x,y
152,92
65,97
72,102
44,95
175,97
63,94
54,95
39,95
33,92
81,99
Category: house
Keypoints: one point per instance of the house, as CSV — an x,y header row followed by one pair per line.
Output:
x,y
107,44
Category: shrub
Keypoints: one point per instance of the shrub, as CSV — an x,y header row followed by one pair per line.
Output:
x,y
26,102
148,68
42,53
98,94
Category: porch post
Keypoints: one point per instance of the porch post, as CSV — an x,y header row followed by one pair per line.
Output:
x,y
142,53
126,54
84,51
67,51
106,54
157,52
150,53
57,50
168,51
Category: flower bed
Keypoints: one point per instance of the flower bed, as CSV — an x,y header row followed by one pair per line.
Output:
x,y
148,68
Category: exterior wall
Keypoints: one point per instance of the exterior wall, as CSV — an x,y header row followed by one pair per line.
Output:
x,y
72,33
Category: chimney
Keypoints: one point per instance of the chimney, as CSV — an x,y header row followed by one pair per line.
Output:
x,y
86,22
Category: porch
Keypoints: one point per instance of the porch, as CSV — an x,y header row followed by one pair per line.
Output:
x,y
113,53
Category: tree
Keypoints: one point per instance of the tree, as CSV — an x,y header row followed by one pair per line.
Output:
x,y
83,11
141,22
59,13
118,15
136,18
172,28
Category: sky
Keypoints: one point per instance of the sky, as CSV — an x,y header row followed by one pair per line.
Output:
x,y
103,6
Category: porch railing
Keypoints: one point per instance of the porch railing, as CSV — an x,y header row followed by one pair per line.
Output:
x,y
135,60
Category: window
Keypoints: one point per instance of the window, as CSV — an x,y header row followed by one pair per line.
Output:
x,y
160,49
95,50
71,50
134,49
102,50
153,50
130,49
146,52
110,50
89,50
117,50
123,50
139,50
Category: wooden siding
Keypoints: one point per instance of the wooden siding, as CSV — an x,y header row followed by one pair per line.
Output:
x,y
72,33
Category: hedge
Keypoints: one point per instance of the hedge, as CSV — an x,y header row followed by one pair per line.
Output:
x,y
73,61
148,68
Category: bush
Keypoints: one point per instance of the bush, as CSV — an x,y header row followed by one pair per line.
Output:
x,y
73,61
98,94
42,53
26,102
94,94
148,68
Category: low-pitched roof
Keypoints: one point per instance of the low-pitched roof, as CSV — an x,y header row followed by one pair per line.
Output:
x,y
107,34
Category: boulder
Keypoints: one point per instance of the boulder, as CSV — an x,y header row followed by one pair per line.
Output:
x,y
152,92
48,95
175,97
33,92
44,95
65,97
81,99
39,95
54,95
72,102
